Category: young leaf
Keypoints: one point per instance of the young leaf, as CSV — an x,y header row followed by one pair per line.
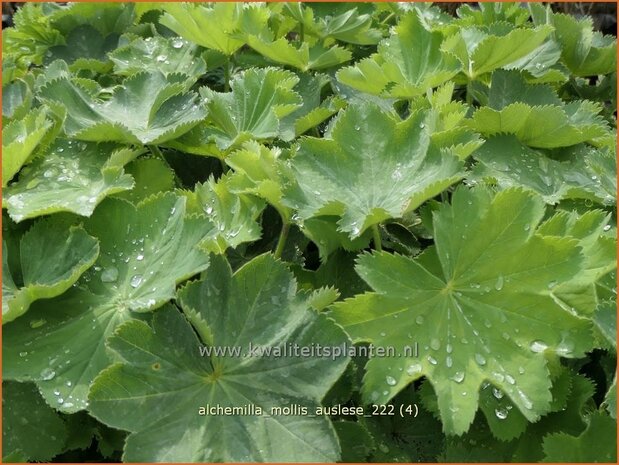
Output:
x,y
53,257
509,163
31,428
231,217
596,443
85,49
536,115
258,170
304,57
485,292
151,175
20,140
257,306
252,110
217,27
584,51
148,108
70,176
366,144
406,65
481,52
16,99
136,271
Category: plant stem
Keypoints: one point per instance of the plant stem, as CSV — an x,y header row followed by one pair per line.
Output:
x,y
389,16
155,151
378,245
227,66
469,93
281,242
302,33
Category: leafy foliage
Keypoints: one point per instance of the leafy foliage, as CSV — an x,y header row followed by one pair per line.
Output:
x,y
219,308
187,182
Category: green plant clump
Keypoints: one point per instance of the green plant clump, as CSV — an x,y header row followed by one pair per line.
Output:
x,y
287,232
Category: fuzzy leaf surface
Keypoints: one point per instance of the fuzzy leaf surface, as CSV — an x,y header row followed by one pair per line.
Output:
x,y
366,143
488,303
60,345
256,305
52,259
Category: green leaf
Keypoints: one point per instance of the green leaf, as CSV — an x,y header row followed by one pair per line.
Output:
x,y
324,232
168,55
31,429
536,115
151,175
602,166
85,48
355,440
137,270
259,170
314,110
70,176
20,140
16,100
597,443
605,320
584,51
216,27
509,163
252,110
256,305
351,26
485,290
598,244
304,57
610,401
367,144
406,65
52,258
31,36
541,63
405,439
232,217
148,108
481,52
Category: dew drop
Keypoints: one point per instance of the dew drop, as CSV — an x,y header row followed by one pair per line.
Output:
x,y
391,381
458,376
109,275
538,346
480,359
432,360
419,320
607,227
497,393
413,369
47,374
500,413
435,344
499,283
177,43
136,280
37,323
